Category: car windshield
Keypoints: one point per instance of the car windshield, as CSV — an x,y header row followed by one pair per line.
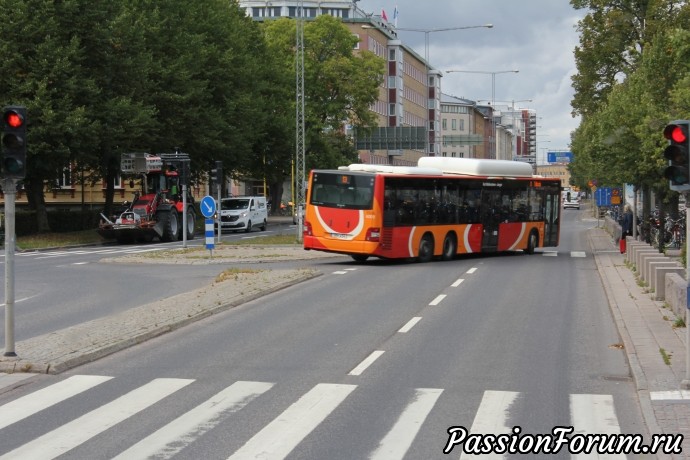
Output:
x,y
234,204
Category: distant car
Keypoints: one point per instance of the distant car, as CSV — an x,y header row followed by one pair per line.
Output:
x,y
294,215
573,202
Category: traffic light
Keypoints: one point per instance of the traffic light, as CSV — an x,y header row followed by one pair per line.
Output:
x,y
14,142
678,155
217,173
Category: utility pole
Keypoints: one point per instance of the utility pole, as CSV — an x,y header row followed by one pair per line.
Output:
x,y
299,128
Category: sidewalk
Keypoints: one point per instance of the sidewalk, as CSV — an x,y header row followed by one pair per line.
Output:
x,y
646,329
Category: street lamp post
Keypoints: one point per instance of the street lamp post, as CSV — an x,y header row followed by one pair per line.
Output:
x,y
493,100
427,109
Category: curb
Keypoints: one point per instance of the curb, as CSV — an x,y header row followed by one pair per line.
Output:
x,y
68,357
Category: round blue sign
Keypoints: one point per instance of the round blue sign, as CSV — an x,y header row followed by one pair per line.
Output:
x,y
208,206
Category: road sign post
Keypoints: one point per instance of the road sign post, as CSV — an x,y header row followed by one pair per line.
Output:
x,y
208,209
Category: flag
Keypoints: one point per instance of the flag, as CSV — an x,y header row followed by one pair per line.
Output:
x,y
383,15
395,16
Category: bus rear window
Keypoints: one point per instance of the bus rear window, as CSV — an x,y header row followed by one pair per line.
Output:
x,y
349,191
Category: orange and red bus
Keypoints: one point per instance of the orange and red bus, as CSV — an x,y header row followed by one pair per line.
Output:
x,y
439,209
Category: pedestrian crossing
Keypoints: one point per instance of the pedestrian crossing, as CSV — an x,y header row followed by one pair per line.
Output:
x,y
289,425
573,254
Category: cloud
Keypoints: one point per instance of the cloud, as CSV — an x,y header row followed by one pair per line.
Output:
x,y
537,37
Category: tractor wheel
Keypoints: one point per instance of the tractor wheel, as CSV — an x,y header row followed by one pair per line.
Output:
x,y
191,225
170,225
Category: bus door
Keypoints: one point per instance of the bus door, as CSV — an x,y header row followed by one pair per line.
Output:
x,y
490,218
551,220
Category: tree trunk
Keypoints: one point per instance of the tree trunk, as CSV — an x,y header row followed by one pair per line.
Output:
x,y
36,198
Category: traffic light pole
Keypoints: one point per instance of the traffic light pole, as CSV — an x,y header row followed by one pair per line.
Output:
x,y
10,189
685,383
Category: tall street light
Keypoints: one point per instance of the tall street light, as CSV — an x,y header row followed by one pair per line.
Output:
x,y
426,69
493,100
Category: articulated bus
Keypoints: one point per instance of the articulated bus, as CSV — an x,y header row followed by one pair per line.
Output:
x,y
440,208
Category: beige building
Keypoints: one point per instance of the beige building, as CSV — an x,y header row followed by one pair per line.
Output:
x,y
559,170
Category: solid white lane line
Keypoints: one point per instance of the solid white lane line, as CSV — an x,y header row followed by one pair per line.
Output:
x,y
438,299
472,270
458,282
181,432
410,324
399,439
366,363
492,418
277,439
28,405
594,414
80,430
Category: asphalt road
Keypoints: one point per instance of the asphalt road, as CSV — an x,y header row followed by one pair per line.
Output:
x,y
58,288
367,361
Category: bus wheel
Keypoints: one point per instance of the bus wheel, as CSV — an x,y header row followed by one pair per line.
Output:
x,y
359,257
531,243
450,247
426,249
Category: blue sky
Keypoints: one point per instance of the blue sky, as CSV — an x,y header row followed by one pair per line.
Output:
x,y
536,37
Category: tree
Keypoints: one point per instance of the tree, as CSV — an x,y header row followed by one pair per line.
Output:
x,y
339,86
612,38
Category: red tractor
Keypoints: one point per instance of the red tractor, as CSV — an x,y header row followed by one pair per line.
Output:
x,y
157,210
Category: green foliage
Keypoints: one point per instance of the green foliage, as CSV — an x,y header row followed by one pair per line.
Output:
x,y
633,70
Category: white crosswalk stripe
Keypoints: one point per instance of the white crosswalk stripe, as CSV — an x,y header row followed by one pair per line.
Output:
x,y
181,432
70,435
589,414
283,434
400,437
573,254
594,414
24,407
492,417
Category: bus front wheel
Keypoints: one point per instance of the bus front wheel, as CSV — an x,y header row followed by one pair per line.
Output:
x,y
359,257
426,249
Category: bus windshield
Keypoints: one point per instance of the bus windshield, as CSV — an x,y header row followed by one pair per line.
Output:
x,y
348,191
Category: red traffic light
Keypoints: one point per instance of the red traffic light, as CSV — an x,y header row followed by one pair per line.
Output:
x,y
675,133
13,119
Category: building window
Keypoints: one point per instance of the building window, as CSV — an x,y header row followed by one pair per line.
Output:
x,y
391,109
454,124
391,54
65,177
462,125
444,124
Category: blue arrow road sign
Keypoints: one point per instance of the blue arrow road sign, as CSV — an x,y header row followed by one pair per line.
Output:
x,y
208,206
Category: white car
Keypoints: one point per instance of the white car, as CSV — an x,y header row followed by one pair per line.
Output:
x,y
573,202
243,213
